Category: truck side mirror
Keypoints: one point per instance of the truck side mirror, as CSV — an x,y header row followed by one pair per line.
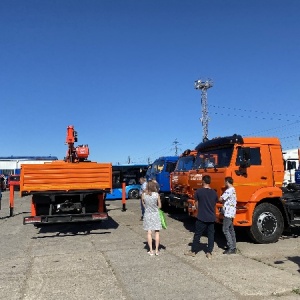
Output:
x,y
245,164
241,172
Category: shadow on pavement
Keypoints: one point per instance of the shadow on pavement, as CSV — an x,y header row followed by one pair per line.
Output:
x,y
161,247
292,232
189,224
14,215
294,259
71,229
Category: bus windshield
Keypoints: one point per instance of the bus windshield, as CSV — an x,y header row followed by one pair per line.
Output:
x,y
214,158
130,174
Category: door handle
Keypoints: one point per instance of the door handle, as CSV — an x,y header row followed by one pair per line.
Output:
x,y
263,177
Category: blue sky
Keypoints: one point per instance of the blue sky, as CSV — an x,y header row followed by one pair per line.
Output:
x,y
123,71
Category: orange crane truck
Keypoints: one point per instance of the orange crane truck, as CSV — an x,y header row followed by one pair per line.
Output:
x,y
264,207
72,190
180,189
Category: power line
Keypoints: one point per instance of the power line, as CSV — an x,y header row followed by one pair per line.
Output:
x,y
250,116
255,111
281,132
291,136
275,128
162,152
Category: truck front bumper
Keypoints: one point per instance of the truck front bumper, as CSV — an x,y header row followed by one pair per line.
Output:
x,y
72,218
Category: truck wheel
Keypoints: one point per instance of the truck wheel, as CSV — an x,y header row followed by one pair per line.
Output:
x,y
133,194
268,224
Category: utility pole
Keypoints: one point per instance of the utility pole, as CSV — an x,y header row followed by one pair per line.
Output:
x,y
128,160
204,86
176,146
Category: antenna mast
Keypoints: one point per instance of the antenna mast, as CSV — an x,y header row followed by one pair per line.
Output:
x,y
176,146
204,86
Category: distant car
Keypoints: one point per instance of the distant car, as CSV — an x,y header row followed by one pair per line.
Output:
x,y
16,182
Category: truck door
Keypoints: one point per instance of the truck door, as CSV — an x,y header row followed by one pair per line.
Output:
x,y
252,170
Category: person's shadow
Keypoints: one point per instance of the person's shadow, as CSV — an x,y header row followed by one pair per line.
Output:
x,y
294,259
188,223
161,247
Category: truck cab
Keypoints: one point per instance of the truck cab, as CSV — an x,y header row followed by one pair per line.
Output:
x,y
160,170
180,189
256,166
15,181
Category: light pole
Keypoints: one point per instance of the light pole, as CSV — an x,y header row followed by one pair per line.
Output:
x,y
204,86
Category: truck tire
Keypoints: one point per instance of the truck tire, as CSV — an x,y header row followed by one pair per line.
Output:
x,y
134,194
164,203
267,224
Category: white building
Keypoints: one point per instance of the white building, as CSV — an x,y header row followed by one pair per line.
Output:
x,y
12,164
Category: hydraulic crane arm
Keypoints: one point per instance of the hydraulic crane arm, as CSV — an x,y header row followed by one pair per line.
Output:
x,y
75,154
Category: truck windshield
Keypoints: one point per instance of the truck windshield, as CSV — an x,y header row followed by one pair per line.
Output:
x,y
185,163
157,167
214,158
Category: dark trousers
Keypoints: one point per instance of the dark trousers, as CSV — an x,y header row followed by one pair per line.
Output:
x,y
199,230
229,233
142,208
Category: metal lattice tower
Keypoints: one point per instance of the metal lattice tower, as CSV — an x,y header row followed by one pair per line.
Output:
x,y
204,86
176,146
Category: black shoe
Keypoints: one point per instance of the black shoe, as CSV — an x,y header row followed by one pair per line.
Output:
x,y
141,219
230,251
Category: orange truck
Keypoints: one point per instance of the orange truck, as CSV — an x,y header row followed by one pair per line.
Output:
x,y
72,190
180,189
264,207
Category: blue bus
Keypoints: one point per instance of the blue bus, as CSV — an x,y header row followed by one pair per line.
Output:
x,y
130,174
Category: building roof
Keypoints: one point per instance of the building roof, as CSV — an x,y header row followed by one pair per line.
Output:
x,y
13,158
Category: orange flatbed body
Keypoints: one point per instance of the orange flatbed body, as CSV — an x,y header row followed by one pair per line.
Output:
x,y
64,176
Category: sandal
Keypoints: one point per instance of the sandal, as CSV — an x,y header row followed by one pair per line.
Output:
x,y
150,253
157,253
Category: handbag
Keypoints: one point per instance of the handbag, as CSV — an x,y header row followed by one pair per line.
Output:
x,y
162,219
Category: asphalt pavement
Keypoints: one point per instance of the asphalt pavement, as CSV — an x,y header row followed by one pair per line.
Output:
x,y
109,260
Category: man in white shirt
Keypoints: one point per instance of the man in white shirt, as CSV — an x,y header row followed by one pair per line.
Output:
x,y
229,209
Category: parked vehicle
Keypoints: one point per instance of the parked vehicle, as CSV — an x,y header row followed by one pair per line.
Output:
x,y
180,189
130,174
291,164
15,181
72,190
297,177
264,207
160,170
